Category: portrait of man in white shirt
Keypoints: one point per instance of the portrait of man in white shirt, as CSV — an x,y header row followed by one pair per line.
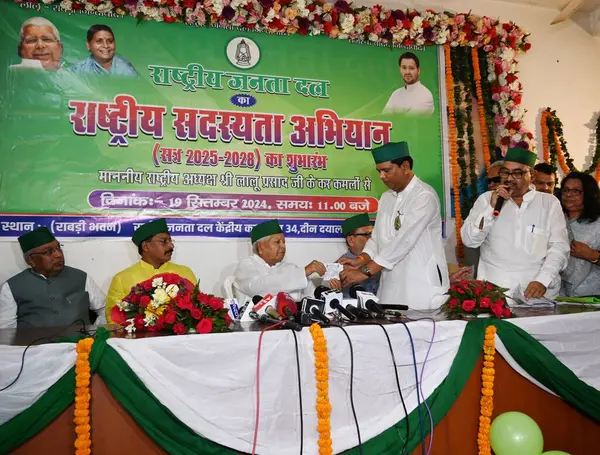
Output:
x,y
413,97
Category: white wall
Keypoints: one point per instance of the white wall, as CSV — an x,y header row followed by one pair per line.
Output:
x,y
562,70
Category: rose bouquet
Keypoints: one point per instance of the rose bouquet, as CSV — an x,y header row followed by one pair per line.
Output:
x,y
473,297
170,303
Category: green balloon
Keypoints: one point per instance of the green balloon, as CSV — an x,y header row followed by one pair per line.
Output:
x,y
555,452
515,433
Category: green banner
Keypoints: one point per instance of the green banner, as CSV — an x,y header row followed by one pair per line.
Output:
x,y
106,122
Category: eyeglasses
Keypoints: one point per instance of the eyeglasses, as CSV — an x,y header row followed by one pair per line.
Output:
x,y
572,191
366,234
48,251
516,174
494,179
162,241
44,39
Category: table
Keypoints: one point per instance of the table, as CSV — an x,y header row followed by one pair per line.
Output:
x,y
115,431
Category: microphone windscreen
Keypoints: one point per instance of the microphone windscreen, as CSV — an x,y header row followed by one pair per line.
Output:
x,y
320,290
285,301
354,289
256,299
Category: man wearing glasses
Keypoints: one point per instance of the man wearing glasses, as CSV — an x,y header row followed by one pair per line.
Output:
x,y
526,244
40,46
49,294
357,231
155,247
406,246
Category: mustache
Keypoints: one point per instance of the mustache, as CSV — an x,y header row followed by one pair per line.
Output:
x,y
169,251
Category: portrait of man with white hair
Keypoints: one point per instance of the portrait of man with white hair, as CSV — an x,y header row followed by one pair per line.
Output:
x,y
40,46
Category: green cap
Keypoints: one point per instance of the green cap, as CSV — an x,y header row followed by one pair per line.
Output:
x,y
149,229
349,225
390,151
265,229
520,155
35,238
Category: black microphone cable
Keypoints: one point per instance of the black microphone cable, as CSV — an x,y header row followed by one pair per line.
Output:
x,y
299,393
49,338
360,449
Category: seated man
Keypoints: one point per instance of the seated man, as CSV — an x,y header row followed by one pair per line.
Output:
x,y
357,231
49,294
526,245
265,272
156,248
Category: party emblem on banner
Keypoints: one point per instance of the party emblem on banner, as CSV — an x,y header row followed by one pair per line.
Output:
x,y
243,53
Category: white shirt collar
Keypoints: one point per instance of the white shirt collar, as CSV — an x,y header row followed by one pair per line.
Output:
x,y
413,87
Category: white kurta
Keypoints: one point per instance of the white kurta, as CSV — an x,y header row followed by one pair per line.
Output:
x,y
522,244
8,305
414,98
415,270
253,276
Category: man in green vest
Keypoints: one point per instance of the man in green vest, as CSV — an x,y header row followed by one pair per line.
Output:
x,y
49,293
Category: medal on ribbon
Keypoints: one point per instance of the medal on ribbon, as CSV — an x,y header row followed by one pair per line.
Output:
x,y
397,223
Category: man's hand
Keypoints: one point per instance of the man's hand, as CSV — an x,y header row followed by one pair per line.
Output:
x,y
315,267
335,284
464,273
534,290
349,263
501,191
583,251
352,276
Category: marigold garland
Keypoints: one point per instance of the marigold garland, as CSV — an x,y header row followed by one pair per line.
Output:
x,y
83,442
322,375
453,149
544,130
481,109
487,391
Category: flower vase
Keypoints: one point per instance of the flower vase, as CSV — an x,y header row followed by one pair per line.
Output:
x,y
484,315
191,330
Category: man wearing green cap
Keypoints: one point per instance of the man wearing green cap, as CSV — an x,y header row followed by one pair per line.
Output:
x,y
49,294
265,272
357,231
155,247
524,246
406,245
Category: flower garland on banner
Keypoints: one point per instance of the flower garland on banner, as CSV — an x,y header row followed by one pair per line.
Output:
x,y
555,146
468,103
485,145
453,149
322,375
83,442
487,391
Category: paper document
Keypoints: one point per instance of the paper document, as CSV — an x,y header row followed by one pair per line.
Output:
x,y
332,271
538,302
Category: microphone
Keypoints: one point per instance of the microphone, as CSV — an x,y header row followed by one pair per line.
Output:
x,y
498,206
264,305
333,301
393,306
286,306
283,324
358,312
366,300
314,307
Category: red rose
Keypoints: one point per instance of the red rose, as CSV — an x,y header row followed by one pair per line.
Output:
x,y
118,316
160,323
460,290
227,319
497,310
170,317
205,326
179,329
499,302
453,303
468,305
138,321
133,298
489,286
506,313
511,78
477,291
144,301
188,3
327,28
215,303
526,46
184,303
147,285
196,313
77,6
485,302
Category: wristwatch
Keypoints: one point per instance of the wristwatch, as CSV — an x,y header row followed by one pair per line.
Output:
x,y
597,261
366,271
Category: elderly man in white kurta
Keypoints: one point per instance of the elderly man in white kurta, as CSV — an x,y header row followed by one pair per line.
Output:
x,y
265,272
526,244
406,244
414,97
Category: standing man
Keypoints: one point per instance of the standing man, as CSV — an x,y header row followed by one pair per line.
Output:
x,y
414,97
544,178
357,231
266,272
406,245
40,47
49,293
526,245
155,246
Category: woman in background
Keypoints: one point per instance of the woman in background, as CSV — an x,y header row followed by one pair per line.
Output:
x,y
103,59
580,198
